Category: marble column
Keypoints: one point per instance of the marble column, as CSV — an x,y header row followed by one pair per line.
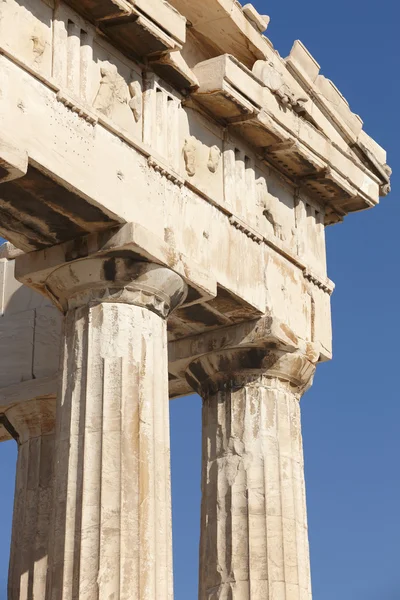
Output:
x,y
111,532
32,425
254,541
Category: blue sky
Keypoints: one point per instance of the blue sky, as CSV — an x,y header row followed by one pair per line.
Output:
x,y
351,415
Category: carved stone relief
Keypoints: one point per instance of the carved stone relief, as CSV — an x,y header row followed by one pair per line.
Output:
x,y
33,43
119,94
136,101
266,203
190,155
214,159
112,90
39,46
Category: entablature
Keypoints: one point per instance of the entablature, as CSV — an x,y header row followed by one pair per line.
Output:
x,y
146,116
288,137
75,196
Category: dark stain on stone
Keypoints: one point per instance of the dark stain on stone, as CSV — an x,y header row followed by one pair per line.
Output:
x,y
110,269
193,383
77,249
9,427
268,321
198,313
128,255
255,357
177,297
21,234
198,371
3,172
45,213
225,363
192,295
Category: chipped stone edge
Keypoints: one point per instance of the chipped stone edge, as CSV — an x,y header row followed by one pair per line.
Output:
x,y
8,251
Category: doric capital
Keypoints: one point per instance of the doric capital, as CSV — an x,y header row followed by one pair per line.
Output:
x,y
114,279
31,419
250,366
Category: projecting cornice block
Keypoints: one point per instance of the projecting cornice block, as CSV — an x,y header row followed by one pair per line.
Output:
x,y
227,88
142,27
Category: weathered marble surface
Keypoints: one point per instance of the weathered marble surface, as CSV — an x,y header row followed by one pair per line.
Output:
x,y
165,180
111,530
254,539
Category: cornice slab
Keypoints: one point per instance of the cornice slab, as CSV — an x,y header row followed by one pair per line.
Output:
x,y
150,29
289,142
38,208
173,68
98,10
144,27
165,15
224,26
227,88
302,65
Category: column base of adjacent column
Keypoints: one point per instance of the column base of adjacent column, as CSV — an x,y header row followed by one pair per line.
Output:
x,y
33,421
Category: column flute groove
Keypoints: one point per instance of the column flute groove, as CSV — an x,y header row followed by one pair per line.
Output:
x,y
112,520
254,480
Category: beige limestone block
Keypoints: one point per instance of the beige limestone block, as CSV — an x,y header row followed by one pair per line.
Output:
x,y
16,348
254,541
30,330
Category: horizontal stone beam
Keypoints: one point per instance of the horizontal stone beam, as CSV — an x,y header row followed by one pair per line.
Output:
x,y
131,240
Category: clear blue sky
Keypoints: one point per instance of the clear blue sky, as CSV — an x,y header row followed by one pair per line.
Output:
x,y
351,416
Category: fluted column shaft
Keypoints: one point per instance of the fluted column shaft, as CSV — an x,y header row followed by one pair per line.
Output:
x,y
254,540
112,535
32,424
